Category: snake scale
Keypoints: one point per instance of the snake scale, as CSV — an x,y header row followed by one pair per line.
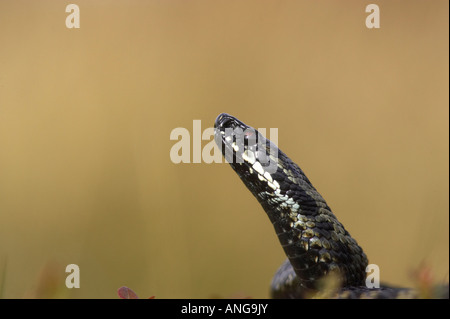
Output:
x,y
317,245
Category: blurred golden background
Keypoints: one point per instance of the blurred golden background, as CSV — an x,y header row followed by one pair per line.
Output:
x,y
86,115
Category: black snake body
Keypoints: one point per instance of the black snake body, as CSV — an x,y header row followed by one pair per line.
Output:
x,y
316,243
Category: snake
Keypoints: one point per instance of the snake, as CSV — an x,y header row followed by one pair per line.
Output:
x,y
323,259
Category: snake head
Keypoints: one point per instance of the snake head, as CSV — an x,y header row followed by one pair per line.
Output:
x,y
253,157
266,171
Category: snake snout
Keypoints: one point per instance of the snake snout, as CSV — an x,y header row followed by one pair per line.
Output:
x,y
223,120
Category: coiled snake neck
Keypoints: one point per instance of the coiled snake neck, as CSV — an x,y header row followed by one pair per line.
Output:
x,y
317,245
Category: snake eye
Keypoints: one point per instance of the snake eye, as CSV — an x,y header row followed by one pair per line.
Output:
x,y
250,138
248,134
